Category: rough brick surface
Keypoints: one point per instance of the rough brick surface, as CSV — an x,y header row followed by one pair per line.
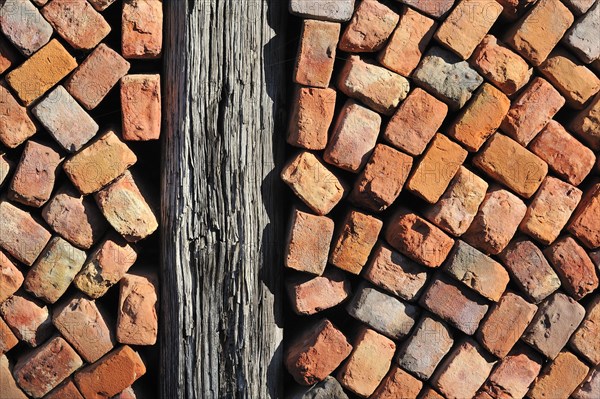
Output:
x,y
329,388
311,295
585,224
370,27
590,388
142,29
29,321
10,389
587,124
398,384
22,24
15,124
100,5
311,116
8,340
308,242
436,9
141,107
338,11
67,390
316,53
580,38
559,378
11,278
579,6
585,340
137,322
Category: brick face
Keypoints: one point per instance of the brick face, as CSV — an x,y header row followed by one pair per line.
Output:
x,y
316,53
370,27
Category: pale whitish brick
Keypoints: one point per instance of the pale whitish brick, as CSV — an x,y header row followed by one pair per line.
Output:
x,y
328,10
24,26
582,38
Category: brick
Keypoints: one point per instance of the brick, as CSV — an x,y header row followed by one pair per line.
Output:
x,y
594,256
67,390
587,124
308,242
29,321
398,384
15,124
141,107
378,88
329,388
506,161
500,65
585,224
514,9
84,225
535,35
383,313
430,336
339,11
579,6
6,166
101,162
531,111
54,270
590,388
454,303
370,27
573,266
313,183
353,137
560,378
111,374
105,266
368,364
316,352
316,53
505,323
142,29
8,340
447,77
430,393
312,113
96,76
418,239
480,118
529,269
354,241
137,322
84,326
456,209
566,156
8,57
24,26
514,374
415,122
311,295
574,81
101,5
128,393
382,179
77,22
11,278
20,234
395,273
585,340
42,71
579,38
435,170
10,389
436,9
464,371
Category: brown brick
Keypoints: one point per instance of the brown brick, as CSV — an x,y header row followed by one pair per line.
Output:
x,y
505,323
408,42
313,183
142,29
398,384
29,321
316,353
587,124
10,278
590,388
8,340
311,295
137,322
370,27
585,224
316,53
559,378
311,116
532,110
418,239
141,107
354,241
480,118
8,56
368,364
10,389
100,5
15,124
415,122
24,26
67,390
585,340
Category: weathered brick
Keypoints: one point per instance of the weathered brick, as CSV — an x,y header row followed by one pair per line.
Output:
x,y
579,6
316,53
101,5
435,170
311,116
448,77
405,48
480,118
8,340
111,374
329,388
424,349
590,388
99,163
67,390
354,241
585,340
29,321
85,326
11,278
436,9
6,166
308,242
141,107
128,393
313,183
368,364
464,371
137,322
142,29
370,27
415,122
418,239
353,137
514,9
316,352
41,72
398,384
10,389
338,11
24,26
384,313
15,124
505,323
54,270
587,124
509,163
585,224
429,393
580,38
382,179
311,295
530,269
96,76
8,57
559,378
454,303
20,234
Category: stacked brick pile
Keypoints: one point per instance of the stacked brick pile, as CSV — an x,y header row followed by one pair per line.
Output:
x,y
444,240
79,104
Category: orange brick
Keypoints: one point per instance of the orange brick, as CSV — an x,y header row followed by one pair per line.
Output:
x,y
398,384
137,322
10,389
8,340
312,113
559,378
66,390
8,56
142,29
587,124
585,224
370,27
308,241
141,107
15,124
316,53
310,295
585,341
11,278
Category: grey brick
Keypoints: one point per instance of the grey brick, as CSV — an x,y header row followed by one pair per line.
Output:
x,y
582,38
327,10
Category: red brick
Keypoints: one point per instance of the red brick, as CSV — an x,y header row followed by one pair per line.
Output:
x,y
436,9
587,124
137,322
311,295
8,57
8,340
10,278
398,384
24,26
353,137
355,240
585,340
369,28
312,113
29,321
560,378
415,122
368,364
67,390
316,53
96,76
141,107
585,224
316,353
101,5
15,124
142,29
430,393
590,388
10,389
